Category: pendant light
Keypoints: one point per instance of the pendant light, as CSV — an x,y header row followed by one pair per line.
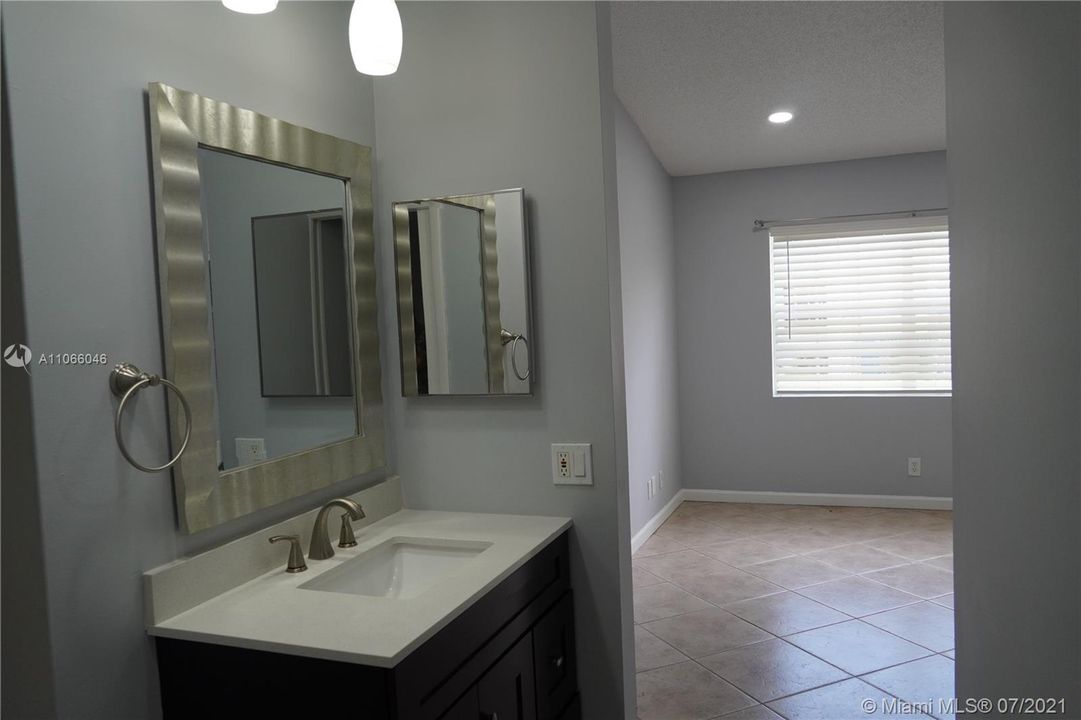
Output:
x,y
375,36
251,7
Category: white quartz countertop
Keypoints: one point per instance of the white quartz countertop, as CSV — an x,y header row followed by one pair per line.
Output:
x,y
272,613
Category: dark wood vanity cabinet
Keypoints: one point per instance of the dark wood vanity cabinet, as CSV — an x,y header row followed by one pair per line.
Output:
x,y
509,656
555,666
507,689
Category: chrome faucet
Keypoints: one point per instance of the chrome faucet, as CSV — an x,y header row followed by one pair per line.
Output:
x,y
319,548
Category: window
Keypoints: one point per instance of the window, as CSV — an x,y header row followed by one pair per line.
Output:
x,y
861,308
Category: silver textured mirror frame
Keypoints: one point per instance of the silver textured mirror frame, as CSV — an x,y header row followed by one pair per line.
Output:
x,y
181,122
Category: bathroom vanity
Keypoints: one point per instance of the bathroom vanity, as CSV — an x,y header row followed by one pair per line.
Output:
x,y
274,359
431,615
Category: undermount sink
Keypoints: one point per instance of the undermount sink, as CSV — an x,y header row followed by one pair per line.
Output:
x,y
398,568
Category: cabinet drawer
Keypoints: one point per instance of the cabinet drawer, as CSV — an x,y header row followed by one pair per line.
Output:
x,y
554,659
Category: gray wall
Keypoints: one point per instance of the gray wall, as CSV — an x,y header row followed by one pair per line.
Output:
x,y
496,95
736,435
77,74
647,246
1015,199
27,678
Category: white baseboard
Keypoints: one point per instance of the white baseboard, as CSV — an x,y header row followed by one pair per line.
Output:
x,y
656,521
914,502
910,502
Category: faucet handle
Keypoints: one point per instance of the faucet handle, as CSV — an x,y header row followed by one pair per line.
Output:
x,y
346,538
296,554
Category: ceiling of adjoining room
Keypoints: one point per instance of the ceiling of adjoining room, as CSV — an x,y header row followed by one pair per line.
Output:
x,y
864,79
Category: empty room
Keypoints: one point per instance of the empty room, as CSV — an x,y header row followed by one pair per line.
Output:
x,y
784,208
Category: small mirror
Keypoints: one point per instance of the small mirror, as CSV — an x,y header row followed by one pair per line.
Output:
x,y
463,295
277,248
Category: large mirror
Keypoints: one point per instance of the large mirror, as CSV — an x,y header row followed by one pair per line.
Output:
x,y
279,307
463,295
268,304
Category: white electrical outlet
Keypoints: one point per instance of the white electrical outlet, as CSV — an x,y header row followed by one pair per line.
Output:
x,y
915,467
660,479
572,464
249,450
653,486
563,464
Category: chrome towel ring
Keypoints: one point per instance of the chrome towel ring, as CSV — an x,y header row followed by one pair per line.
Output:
x,y
124,381
506,336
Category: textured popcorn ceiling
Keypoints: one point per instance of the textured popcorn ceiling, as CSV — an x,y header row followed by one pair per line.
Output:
x,y
699,78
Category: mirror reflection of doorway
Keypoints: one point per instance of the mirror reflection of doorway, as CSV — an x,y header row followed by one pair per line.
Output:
x,y
448,298
302,303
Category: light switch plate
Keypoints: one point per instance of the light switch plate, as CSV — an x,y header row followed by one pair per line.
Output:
x,y
572,463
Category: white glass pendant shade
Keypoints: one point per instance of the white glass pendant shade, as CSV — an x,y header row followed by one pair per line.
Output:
x,y
375,36
251,7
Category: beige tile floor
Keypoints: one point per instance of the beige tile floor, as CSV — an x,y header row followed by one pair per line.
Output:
x,y
749,612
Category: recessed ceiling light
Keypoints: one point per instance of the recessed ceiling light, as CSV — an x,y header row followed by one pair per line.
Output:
x,y
780,117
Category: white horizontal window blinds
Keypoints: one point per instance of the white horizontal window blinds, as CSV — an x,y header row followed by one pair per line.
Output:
x,y
861,308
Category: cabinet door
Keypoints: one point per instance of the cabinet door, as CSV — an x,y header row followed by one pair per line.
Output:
x,y
506,690
465,709
554,659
